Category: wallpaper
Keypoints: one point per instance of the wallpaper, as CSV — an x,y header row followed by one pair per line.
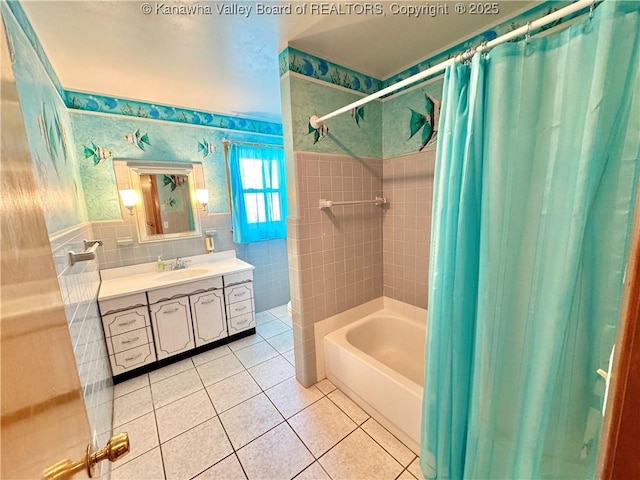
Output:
x,y
49,133
102,137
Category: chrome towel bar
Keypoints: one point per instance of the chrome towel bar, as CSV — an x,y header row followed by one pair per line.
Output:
x,y
329,203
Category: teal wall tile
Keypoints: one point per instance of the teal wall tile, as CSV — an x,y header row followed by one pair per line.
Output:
x,y
167,142
49,132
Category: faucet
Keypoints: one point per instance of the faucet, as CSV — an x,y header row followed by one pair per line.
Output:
x,y
180,264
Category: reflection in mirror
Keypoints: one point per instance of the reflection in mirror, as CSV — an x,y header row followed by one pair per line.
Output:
x,y
167,205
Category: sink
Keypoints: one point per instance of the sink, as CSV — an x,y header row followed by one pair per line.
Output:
x,y
182,274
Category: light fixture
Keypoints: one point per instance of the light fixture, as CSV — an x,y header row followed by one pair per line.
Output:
x,y
202,195
128,198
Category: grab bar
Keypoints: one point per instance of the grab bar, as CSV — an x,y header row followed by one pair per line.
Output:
x,y
89,253
324,203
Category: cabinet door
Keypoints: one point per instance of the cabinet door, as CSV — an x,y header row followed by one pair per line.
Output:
x,y
208,317
171,322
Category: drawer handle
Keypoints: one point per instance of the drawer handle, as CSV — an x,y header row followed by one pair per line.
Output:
x,y
170,311
128,359
240,309
126,342
124,324
208,302
240,294
243,322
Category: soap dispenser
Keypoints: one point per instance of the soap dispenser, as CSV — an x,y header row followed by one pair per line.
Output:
x,y
160,265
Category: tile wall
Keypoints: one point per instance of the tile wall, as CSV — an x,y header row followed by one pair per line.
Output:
x,y
406,226
335,256
79,288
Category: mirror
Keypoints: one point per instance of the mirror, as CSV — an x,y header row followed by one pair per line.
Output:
x,y
166,206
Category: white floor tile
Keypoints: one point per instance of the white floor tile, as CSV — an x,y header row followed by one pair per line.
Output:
x,y
131,385
255,354
265,317
170,370
183,414
347,405
227,469
271,329
325,386
195,450
321,426
131,406
175,387
249,420
282,342
290,396
219,369
290,356
143,436
272,372
391,444
280,443
406,476
414,468
358,456
232,391
145,467
280,311
210,355
288,321
313,472
245,342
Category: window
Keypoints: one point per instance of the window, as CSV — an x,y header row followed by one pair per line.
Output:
x,y
258,193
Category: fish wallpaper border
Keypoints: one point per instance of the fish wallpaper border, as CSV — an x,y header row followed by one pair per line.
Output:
x,y
92,102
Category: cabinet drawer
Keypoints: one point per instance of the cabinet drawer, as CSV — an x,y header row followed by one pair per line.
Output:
x,y
239,277
238,293
134,358
190,288
122,322
122,303
129,340
242,322
240,308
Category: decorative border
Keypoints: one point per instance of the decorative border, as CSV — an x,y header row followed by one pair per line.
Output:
x,y
293,60
133,108
22,19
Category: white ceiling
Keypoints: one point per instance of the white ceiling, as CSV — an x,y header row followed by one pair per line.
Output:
x,y
229,64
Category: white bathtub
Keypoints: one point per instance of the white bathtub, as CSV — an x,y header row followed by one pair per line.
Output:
x,y
378,361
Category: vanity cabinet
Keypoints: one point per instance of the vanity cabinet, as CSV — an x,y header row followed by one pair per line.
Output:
x,y
172,328
209,322
238,293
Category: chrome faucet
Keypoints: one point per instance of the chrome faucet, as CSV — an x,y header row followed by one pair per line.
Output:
x,y
180,264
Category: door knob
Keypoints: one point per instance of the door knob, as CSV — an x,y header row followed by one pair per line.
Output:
x,y
115,448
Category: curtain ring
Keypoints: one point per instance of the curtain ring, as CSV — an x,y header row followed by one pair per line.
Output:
x,y
528,35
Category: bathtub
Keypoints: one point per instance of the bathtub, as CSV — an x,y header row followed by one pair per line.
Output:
x,y
378,361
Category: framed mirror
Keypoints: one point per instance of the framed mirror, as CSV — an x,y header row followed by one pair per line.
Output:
x,y
166,204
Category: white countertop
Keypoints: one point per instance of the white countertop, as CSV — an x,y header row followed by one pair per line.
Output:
x,y
144,277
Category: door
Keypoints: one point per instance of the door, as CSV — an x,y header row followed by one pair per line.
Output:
x,y
171,321
208,317
44,418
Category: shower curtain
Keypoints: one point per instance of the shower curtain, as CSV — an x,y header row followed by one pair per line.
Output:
x,y
536,173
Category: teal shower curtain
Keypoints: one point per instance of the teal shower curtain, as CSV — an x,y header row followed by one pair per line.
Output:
x,y
536,173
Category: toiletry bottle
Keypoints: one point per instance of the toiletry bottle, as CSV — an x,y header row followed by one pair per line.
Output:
x,y
160,265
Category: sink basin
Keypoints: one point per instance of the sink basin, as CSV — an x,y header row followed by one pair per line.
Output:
x,y
182,274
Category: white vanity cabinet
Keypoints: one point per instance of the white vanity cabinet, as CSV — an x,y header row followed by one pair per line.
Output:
x,y
172,328
207,311
238,293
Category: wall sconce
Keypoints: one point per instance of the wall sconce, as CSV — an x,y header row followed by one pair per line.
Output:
x,y
202,195
129,199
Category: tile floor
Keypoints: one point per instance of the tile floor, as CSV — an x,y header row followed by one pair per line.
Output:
x,y
237,412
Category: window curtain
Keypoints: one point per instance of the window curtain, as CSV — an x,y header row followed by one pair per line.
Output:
x,y
258,192
536,173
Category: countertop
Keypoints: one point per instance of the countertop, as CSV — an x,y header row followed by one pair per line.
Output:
x,y
121,281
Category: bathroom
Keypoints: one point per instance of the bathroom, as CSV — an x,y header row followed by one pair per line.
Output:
x,y
337,264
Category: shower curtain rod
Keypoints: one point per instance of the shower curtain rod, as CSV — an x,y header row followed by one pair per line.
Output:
x,y
316,122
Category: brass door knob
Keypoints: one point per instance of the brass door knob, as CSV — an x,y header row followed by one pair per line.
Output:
x,y
115,448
